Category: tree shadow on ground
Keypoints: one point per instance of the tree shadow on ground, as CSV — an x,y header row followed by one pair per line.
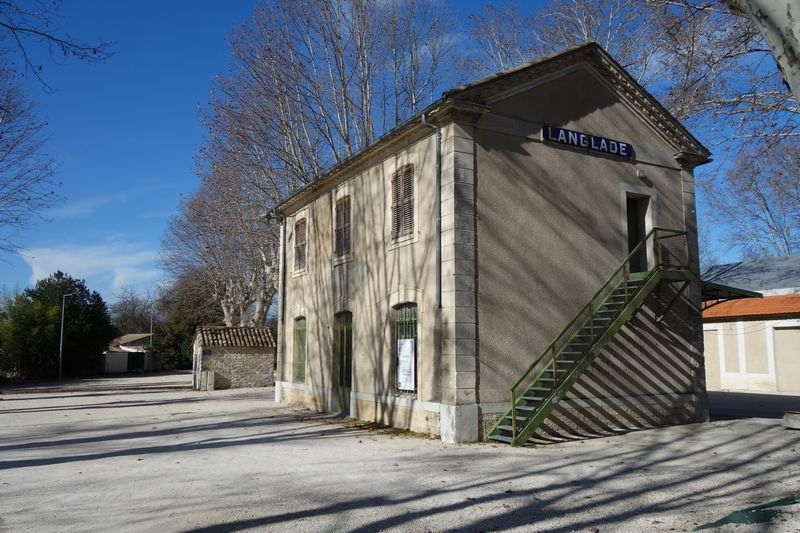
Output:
x,y
575,503
267,430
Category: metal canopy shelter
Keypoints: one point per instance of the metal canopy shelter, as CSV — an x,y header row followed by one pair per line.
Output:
x,y
714,292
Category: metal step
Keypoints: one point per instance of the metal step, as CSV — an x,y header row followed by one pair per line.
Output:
x,y
564,361
501,438
533,398
546,389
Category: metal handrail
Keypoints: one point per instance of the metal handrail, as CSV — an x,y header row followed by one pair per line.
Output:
x,y
623,268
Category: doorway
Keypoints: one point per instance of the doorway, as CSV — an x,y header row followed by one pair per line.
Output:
x,y
637,207
343,356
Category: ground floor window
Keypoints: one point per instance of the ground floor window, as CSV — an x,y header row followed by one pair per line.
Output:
x,y
404,346
343,347
300,346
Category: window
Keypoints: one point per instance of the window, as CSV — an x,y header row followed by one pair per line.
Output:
x,y
403,201
342,231
404,346
343,347
300,345
300,244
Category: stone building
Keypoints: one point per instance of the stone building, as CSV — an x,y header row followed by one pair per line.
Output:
x,y
230,358
493,267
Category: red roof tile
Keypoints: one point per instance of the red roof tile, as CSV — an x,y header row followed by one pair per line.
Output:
x,y
770,305
222,336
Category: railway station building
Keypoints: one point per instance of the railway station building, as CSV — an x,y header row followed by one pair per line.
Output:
x,y
518,262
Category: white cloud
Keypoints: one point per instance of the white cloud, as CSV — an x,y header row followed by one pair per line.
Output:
x,y
82,208
106,267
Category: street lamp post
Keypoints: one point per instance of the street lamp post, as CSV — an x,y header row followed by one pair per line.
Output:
x,y
61,340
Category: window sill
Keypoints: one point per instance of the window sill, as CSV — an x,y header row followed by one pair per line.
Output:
x,y
340,260
299,273
399,242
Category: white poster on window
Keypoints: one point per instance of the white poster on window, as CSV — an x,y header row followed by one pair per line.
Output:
x,y
405,364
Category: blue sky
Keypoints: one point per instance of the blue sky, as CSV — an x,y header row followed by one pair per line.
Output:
x,y
125,132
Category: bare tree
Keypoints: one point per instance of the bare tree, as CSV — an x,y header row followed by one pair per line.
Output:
x,y
312,83
222,234
132,312
508,33
779,24
26,172
31,23
710,66
759,199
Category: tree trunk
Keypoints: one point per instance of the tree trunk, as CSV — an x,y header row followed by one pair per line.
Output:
x,y
779,23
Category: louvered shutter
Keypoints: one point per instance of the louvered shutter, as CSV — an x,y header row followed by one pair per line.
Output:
x,y
403,202
342,232
300,244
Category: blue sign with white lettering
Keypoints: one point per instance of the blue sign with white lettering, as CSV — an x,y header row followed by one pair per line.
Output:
x,y
589,142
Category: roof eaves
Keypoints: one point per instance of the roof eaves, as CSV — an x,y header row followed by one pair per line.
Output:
x,y
342,165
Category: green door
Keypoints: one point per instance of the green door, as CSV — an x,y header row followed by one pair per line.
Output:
x,y
343,357
135,362
637,215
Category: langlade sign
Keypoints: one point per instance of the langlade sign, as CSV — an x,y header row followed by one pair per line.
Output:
x,y
595,143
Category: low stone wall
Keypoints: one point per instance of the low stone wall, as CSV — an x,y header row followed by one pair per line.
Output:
x,y
240,367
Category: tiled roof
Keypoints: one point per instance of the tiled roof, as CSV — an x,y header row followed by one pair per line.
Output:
x,y
222,336
749,307
130,337
758,274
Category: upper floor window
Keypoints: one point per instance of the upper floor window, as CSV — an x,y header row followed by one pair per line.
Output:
x,y
342,230
403,201
300,244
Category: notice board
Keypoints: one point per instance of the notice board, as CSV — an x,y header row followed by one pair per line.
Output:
x,y
406,367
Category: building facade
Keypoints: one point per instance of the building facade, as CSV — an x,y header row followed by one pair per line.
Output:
x,y
753,344
231,358
129,353
421,277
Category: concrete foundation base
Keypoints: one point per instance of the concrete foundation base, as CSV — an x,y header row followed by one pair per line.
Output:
x,y
459,423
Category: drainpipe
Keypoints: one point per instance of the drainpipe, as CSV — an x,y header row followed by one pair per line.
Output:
x,y
438,130
282,315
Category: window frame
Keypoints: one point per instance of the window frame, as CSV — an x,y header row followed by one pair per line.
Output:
x,y
298,374
396,317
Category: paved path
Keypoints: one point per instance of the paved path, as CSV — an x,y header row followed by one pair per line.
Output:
x,y
181,460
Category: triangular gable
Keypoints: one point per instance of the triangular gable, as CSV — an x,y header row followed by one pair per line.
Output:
x,y
600,63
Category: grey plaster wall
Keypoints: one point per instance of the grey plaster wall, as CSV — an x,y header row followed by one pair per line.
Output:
x,y
551,228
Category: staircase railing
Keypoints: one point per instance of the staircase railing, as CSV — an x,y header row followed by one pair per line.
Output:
x,y
663,259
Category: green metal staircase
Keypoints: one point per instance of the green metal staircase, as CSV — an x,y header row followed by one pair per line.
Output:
x,y
548,379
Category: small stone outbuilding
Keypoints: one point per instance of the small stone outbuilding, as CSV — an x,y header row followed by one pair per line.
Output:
x,y
229,358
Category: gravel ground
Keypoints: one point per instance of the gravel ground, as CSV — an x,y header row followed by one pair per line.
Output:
x,y
156,458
